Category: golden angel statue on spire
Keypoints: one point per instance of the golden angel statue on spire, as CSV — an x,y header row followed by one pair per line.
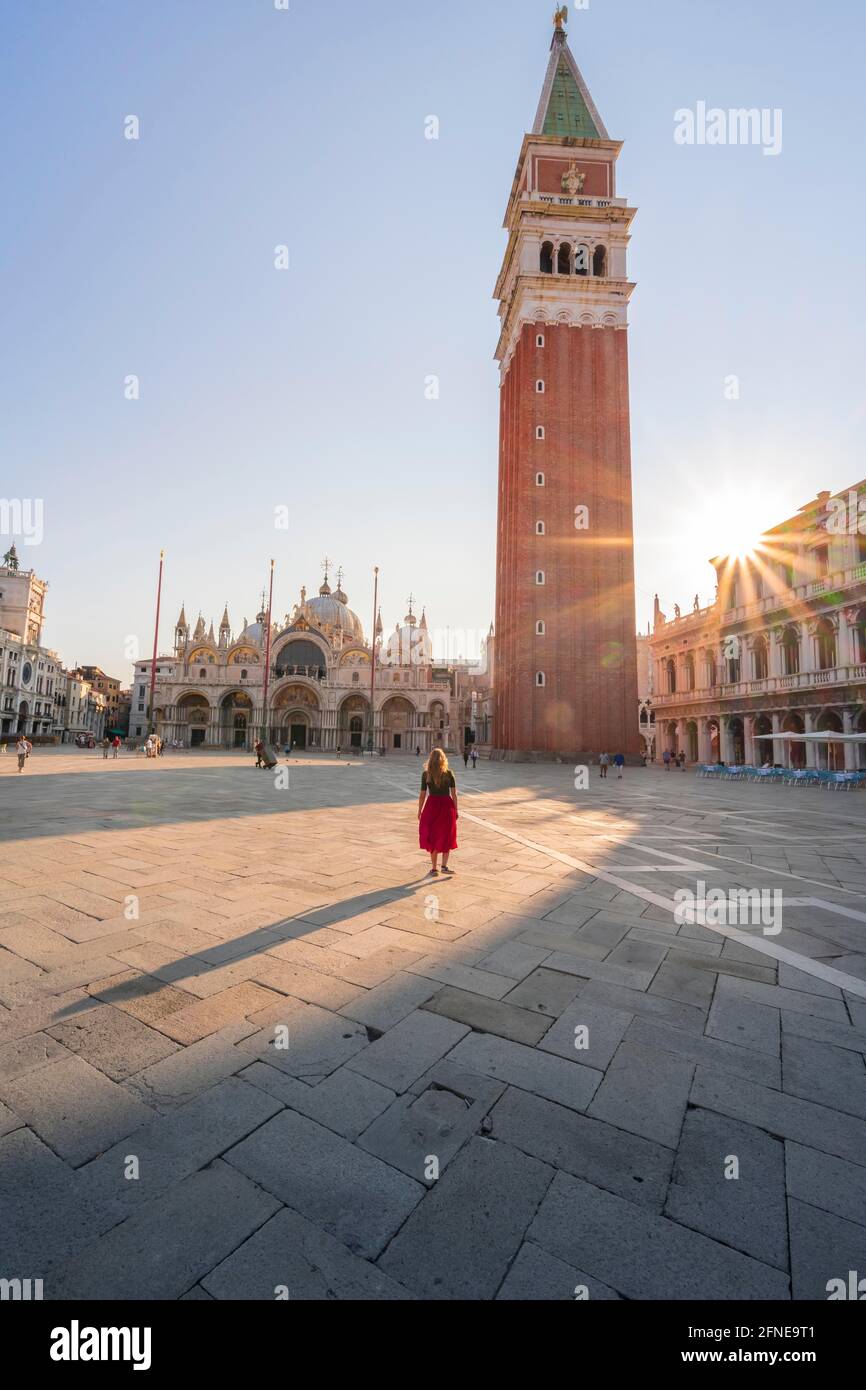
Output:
x,y
561,16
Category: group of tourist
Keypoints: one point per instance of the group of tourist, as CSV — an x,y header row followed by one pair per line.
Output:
x,y
109,744
678,760
605,760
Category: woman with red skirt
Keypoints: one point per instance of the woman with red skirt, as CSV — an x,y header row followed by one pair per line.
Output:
x,y
437,811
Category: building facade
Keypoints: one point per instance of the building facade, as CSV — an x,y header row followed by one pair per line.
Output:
x,y
781,651
32,681
565,620
646,715
109,688
210,691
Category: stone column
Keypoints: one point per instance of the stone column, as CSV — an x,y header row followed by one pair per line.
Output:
x,y
812,749
705,749
749,739
683,737
781,748
725,740
850,748
808,654
845,644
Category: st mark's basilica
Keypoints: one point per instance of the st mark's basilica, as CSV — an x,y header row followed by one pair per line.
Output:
x,y
210,692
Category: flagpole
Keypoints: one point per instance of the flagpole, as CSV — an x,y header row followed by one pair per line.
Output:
x,y
373,661
267,659
155,644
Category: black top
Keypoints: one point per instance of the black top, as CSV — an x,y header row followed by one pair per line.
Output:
x,y
444,790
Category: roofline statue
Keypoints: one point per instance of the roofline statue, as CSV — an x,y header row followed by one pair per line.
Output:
x,y
561,16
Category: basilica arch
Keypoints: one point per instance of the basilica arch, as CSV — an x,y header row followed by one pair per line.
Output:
x,y
399,720
236,720
353,722
191,719
302,654
296,715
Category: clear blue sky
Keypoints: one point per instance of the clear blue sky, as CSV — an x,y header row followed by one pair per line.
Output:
x,y
306,388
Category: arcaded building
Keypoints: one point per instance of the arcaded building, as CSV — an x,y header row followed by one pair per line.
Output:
x,y
566,680
781,651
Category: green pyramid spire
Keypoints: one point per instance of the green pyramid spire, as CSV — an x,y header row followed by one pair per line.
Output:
x,y
566,107
567,112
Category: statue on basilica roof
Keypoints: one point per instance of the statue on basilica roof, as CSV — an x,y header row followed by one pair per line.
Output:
x,y
10,559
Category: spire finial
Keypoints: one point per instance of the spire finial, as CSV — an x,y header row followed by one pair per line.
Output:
x,y
559,19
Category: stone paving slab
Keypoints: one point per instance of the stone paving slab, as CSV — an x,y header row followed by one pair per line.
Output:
x,y
423,1130
789,1117
170,1243
486,1015
825,1249
536,1276
649,1256
462,1239
541,1073
114,1042
45,1214
829,1075
345,1101
289,1253
318,1041
587,1033
645,1092
830,1183
624,1163
744,1206
74,1108
744,1023
175,1145
346,1192
408,1050
721,1056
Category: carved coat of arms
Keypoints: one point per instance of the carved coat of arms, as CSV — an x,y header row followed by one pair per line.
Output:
x,y
573,180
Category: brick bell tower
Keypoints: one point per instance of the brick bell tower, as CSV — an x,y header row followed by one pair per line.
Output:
x,y
565,616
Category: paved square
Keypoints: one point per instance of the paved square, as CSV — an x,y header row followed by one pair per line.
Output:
x,y
247,1048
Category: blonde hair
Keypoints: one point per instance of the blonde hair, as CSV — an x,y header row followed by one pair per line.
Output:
x,y
437,768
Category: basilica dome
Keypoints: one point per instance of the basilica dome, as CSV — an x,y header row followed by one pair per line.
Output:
x,y
330,612
409,644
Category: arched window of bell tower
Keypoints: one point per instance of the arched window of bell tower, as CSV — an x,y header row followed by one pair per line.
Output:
x,y
563,259
599,261
547,258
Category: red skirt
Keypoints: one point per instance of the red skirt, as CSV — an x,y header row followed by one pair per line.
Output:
x,y
437,829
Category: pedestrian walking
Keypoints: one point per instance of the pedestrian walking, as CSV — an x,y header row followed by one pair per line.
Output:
x,y
115,744
474,756
23,748
603,764
437,811
465,757
666,759
106,744
619,760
